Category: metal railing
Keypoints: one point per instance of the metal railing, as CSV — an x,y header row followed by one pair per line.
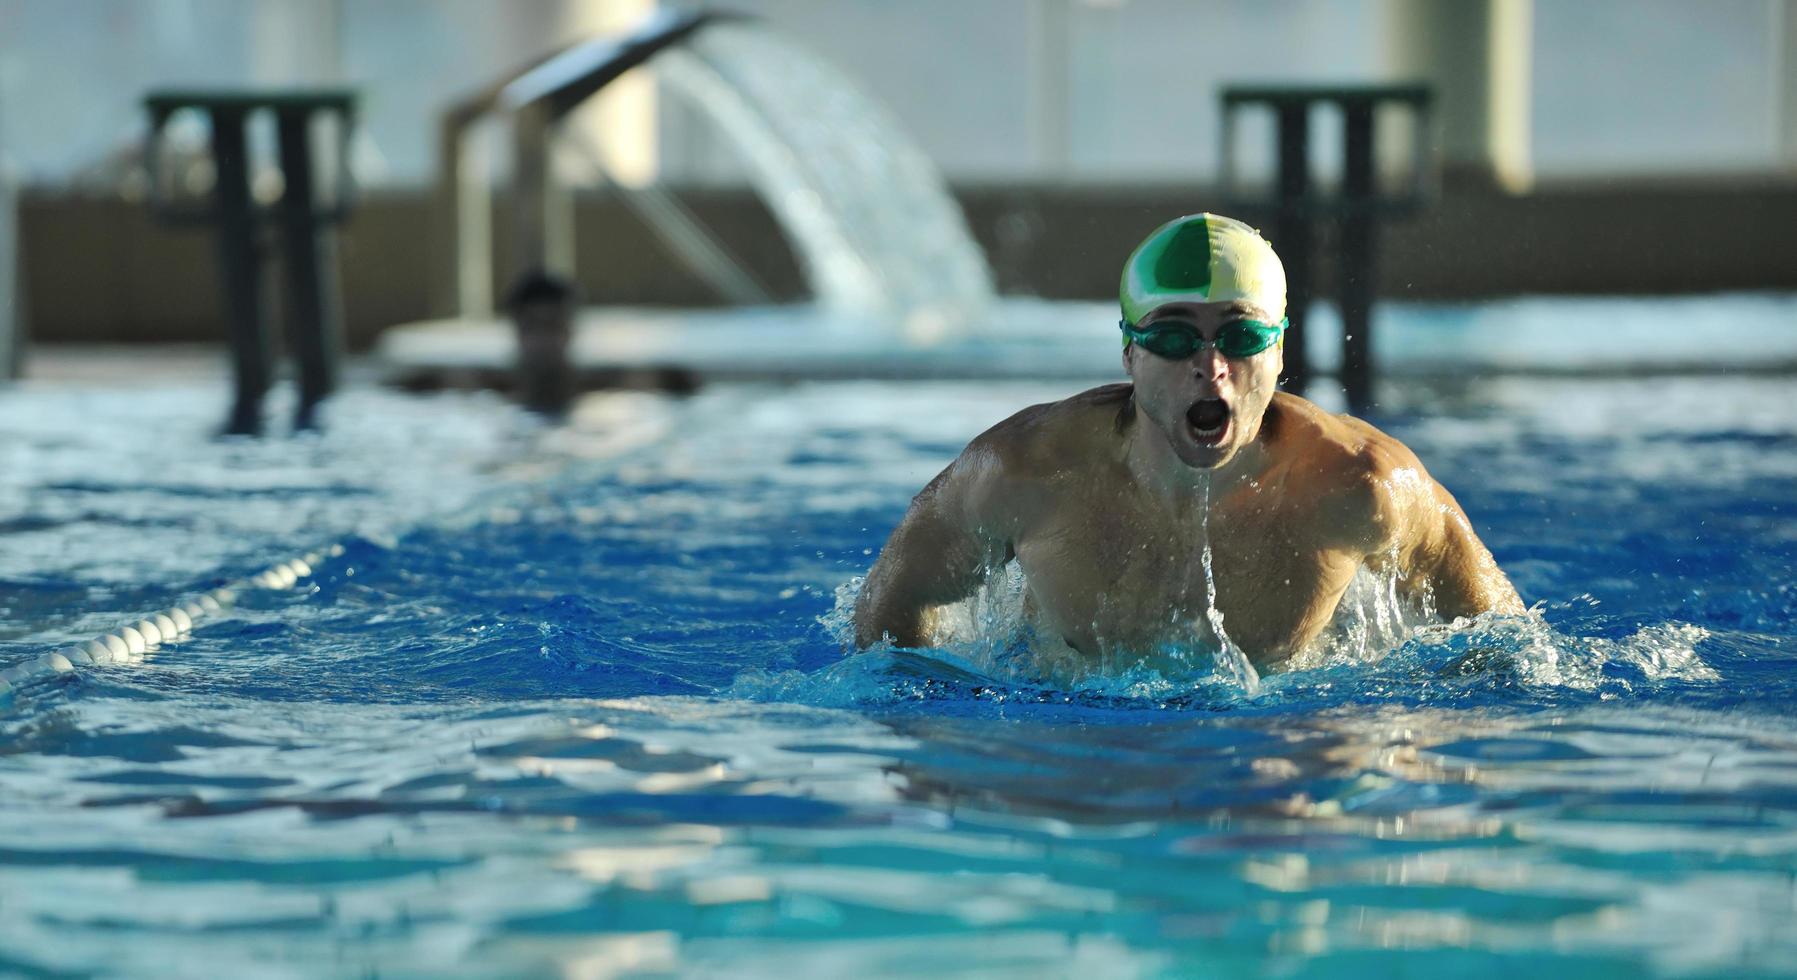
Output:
x,y
534,100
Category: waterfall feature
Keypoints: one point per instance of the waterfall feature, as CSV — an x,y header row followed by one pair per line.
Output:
x,y
871,220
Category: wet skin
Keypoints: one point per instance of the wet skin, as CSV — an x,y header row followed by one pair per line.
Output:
x,y
1104,499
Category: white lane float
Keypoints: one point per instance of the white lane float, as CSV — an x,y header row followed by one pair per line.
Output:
x,y
129,644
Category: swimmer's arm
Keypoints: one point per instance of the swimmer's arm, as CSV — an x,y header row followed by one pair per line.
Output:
x,y
937,555
1418,523
1462,576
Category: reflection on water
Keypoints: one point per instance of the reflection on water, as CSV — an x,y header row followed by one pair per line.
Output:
x,y
597,723
665,833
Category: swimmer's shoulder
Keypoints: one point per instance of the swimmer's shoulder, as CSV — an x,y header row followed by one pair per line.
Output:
x,y
1365,479
1008,474
1049,437
1337,444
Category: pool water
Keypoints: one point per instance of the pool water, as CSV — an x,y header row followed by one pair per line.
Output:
x,y
574,703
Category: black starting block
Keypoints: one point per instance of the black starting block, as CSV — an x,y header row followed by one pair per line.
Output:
x,y
1358,207
313,294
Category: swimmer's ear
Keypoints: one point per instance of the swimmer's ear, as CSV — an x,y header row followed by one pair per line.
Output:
x,y
1128,367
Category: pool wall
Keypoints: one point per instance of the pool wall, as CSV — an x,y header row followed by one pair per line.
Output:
x,y
99,270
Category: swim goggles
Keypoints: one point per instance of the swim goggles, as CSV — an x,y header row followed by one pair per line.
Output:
x,y
1177,341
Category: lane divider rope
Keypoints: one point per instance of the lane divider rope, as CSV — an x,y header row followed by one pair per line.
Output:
x,y
132,643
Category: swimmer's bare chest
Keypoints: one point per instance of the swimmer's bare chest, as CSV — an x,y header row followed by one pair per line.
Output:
x,y
1117,578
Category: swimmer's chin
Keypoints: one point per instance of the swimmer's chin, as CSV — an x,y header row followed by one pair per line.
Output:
x,y
1205,455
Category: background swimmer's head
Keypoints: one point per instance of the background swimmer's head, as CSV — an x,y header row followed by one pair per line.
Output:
x,y
1203,271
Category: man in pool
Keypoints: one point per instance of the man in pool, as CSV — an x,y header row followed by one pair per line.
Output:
x,y
1108,498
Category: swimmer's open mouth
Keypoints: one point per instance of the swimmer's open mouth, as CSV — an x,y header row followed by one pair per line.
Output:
x,y
1209,418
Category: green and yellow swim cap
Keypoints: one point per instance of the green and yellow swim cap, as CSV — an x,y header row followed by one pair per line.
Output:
x,y
1202,258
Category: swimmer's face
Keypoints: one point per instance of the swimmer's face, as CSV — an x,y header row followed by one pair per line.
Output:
x,y
1208,406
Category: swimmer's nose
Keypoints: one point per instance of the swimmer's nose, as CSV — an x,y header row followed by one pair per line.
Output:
x,y
1211,365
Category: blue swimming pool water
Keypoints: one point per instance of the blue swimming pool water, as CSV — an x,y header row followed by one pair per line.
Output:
x,y
571,704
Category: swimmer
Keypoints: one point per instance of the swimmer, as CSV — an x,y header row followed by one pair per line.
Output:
x,y
542,308
1104,499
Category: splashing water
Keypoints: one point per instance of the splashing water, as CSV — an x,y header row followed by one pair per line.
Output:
x,y
1231,662
1375,643
1371,621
